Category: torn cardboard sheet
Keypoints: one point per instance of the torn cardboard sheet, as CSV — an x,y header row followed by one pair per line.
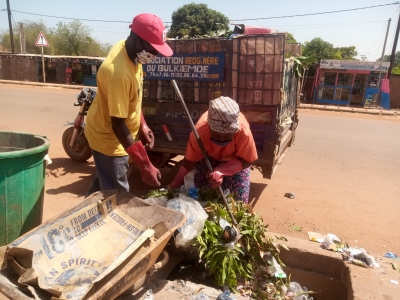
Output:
x,y
67,256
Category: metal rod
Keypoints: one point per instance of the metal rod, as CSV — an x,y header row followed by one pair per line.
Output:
x,y
43,72
202,148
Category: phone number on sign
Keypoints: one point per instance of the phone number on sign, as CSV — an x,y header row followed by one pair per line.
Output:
x,y
192,75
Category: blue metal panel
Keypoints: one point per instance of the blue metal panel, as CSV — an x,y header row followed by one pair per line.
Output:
x,y
188,67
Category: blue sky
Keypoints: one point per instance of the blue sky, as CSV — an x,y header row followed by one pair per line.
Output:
x,y
364,29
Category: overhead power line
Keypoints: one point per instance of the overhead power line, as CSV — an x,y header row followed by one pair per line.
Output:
x,y
67,18
320,13
264,18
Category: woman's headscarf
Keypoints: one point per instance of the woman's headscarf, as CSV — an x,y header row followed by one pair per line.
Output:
x,y
223,115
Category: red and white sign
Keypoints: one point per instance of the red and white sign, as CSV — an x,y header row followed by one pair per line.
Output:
x,y
41,40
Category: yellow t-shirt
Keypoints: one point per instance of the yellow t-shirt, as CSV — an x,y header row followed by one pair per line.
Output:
x,y
119,94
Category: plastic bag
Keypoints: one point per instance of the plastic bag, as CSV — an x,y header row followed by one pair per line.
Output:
x,y
296,290
201,296
189,180
361,255
330,239
195,219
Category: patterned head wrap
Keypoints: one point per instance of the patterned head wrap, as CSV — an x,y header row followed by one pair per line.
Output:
x,y
223,115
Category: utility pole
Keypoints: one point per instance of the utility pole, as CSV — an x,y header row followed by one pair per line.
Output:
x,y
384,44
10,26
22,39
396,39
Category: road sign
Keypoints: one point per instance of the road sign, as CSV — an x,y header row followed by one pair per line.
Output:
x,y
41,40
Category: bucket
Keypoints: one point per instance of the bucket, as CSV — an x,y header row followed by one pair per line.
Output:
x,y
22,177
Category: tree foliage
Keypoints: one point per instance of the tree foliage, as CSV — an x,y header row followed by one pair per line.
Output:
x,y
290,38
71,38
396,62
320,49
197,20
396,58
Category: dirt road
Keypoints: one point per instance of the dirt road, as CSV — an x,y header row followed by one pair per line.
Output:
x,y
343,168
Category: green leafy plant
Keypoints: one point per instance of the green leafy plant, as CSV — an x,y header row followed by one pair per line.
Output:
x,y
301,63
170,193
238,261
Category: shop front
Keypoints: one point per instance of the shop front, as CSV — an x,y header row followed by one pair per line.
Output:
x,y
349,82
83,70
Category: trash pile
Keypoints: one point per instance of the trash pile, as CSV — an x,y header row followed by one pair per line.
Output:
x,y
354,255
245,259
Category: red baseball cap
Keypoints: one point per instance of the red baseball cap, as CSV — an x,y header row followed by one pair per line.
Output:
x,y
150,28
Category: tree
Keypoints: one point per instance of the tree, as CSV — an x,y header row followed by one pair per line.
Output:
x,y
396,58
74,38
71,38
320,49
290,38
396,62
197,20
347,52
32,30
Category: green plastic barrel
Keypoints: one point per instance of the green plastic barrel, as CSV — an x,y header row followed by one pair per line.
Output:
x,y
22,177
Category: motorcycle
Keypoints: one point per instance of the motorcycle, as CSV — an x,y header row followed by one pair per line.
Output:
x,y
74,141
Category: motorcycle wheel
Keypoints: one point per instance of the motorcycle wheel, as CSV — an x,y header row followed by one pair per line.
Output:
x,y
81,150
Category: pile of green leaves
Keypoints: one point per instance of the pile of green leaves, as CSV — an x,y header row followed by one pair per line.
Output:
x,y
170,193
241,260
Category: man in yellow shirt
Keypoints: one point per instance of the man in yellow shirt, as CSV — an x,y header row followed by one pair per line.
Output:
x,y
115,117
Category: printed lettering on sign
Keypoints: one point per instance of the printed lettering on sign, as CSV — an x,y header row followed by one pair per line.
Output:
x,y
257,96
187,67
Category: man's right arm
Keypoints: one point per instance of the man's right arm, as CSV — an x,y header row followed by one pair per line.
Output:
x,y
122,132
136,151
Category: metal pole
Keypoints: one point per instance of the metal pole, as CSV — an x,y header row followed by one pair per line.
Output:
x,y
20,37
384,44
10,26
396,39
43,73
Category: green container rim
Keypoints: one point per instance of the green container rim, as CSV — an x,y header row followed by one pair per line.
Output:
x,y
25,152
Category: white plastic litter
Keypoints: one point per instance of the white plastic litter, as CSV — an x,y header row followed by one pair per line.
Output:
x,y
150,295
195,218
361,255
189,180
329,239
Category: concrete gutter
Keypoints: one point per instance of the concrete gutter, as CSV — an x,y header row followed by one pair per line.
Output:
x,y
325,272
359,110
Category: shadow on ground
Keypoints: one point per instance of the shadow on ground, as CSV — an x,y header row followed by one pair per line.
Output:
x,y
62,170
256,189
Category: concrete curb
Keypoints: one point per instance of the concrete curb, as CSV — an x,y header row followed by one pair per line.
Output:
x,y
368,111
55,85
